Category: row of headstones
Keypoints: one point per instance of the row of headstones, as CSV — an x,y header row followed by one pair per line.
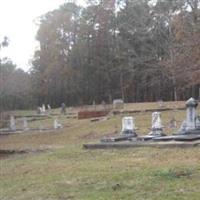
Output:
x,y
128,125
25,127
119,104
43,110
190,125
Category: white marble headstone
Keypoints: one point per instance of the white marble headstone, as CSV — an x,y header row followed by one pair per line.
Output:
x,y
56,125
156,121
128,124
43,108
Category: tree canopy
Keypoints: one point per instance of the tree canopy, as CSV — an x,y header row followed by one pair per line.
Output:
x,y
137,50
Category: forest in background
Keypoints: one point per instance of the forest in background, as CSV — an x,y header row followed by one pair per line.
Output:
x,y
136,50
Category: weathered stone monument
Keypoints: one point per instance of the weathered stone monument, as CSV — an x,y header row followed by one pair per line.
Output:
x,y
157,127
12,123
118,104
192,123
128,126
191,105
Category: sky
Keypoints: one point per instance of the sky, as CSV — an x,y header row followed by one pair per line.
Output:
x,y
18,22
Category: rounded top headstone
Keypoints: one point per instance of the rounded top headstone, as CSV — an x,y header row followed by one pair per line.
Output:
x,y
191,102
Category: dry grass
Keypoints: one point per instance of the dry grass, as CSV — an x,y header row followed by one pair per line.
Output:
x,y
67,171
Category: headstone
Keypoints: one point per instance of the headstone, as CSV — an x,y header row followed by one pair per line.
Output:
x,y
63,108
12,123
56,125
128,131
49,109
39,110
128,126
172,123
25,124
118,104
191,105
157,127
43,109
156,121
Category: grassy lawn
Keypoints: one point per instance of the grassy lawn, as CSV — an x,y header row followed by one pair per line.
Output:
x,y
64,170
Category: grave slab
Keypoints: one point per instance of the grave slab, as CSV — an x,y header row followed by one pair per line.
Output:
x,y
128,144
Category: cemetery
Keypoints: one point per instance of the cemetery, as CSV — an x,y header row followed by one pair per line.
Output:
x,y
59,147
19,124
100,100
187,136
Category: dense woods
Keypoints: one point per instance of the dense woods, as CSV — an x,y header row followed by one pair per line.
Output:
x,y
137,50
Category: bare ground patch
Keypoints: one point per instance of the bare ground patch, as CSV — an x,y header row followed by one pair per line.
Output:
x,y
94,135
7,153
